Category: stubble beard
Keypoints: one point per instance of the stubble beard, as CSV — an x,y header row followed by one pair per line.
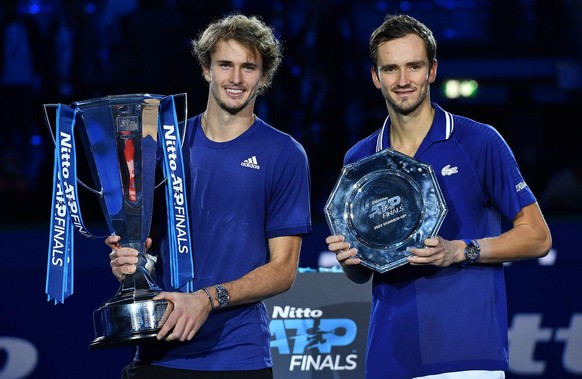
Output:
x,y
233,110
405,108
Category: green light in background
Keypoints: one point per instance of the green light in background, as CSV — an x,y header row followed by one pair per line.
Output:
x,y
455,88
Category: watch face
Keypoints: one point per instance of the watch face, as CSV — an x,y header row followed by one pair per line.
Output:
x,y
472,252
222,296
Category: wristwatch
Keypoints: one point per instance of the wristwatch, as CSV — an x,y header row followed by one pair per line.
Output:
x,y
472,251
221,296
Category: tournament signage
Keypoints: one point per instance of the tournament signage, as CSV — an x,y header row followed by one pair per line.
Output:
x,y
319,333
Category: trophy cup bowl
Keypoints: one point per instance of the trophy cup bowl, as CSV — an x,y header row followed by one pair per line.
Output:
x,y
119,135
383,205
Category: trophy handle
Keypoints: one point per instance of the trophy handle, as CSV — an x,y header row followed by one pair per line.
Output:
x,y
185,105
52,134
182,131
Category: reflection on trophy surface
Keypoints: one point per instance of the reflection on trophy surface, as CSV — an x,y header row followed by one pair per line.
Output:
x,y
383,205
119,135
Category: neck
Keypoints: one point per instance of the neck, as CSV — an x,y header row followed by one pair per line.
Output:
x,y
225,127
407,133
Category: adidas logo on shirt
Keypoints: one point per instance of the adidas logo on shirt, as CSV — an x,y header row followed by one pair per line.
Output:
x,y
251,163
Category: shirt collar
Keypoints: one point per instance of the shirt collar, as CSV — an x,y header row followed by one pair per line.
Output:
x,y
441,129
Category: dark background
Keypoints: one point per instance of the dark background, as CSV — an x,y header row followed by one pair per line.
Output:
x,y
526,56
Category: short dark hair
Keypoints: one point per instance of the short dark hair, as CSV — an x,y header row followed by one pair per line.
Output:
x,y
398,26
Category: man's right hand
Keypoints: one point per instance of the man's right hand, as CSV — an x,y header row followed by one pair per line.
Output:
x,y
346,256
123,260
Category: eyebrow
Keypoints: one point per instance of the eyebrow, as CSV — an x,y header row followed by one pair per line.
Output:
x,y
407,64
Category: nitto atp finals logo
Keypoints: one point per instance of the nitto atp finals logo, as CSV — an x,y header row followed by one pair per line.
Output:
x,y
311,341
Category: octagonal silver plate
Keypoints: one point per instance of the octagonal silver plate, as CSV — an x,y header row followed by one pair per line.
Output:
x,y
385,204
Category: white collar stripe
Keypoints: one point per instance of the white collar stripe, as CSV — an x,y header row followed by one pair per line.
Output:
x,y
449,126
380,139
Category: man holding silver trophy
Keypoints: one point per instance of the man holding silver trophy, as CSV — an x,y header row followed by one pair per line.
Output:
x,y
248,190
444,313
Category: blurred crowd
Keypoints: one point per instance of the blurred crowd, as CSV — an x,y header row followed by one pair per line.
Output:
x,y
60,51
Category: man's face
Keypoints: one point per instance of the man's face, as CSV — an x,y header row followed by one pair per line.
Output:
x,y
403,73
234,76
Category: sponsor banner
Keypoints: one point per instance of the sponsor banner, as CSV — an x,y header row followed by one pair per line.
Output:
x,y
319,327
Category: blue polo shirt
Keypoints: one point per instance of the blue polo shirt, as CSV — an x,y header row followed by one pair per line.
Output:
x,y
429,320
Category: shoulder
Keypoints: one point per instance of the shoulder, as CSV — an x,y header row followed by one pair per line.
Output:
x,y
274,139
466,127
476,135
477,141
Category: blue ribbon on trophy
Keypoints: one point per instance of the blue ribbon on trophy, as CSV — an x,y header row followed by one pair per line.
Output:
x,y
105,148
179,230
66,212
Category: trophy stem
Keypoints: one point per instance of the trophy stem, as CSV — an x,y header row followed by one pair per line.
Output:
x,y
131,315
140,282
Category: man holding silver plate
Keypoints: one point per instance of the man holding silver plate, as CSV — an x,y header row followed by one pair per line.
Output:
x,y
433,241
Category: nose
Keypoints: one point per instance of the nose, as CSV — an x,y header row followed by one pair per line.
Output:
x,y
236,76
402,78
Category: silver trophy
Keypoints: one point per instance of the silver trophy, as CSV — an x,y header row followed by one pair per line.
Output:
x,y
120,135
383,205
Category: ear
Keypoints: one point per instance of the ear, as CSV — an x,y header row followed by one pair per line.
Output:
x,y
433,72
206,73
375,78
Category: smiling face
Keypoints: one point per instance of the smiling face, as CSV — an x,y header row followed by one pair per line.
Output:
x,y
403,74
234,76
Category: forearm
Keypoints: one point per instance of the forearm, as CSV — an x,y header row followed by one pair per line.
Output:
x,y
529,238
273,278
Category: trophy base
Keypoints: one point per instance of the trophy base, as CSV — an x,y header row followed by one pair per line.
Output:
x,y
127,322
